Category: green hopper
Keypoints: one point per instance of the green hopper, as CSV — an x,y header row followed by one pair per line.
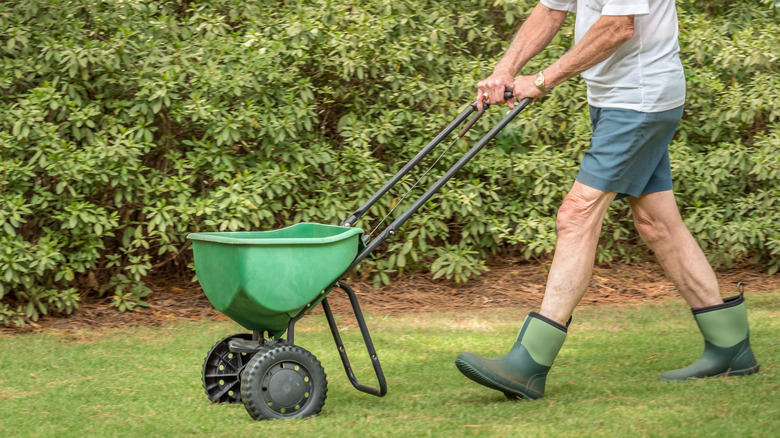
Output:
x,y
262,279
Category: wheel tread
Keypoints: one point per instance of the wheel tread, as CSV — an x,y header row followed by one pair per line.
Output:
x,y
210,379
254,372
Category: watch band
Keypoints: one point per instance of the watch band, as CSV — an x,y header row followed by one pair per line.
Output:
x,y
539,82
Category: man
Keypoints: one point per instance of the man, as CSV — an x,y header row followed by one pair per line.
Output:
x,y
627,52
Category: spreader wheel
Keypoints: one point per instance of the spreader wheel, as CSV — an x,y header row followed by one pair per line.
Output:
x,y
285,381
222,371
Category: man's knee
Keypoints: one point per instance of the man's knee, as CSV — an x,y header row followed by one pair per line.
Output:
x,y
579,213
657,218
570,217
650,229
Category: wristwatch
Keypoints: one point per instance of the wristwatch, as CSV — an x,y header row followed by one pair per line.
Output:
x,y
539,82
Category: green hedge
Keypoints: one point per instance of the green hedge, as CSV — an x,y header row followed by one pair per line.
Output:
x,y
127,124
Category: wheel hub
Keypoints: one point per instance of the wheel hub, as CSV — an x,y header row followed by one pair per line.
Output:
x,y
287,387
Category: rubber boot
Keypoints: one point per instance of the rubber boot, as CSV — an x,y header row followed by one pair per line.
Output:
x,y
727,349
522,372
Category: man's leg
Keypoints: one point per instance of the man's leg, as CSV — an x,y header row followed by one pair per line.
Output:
x,y
723,325
579,226
522,372
660,225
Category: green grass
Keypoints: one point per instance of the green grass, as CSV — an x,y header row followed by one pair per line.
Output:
x,y
146,381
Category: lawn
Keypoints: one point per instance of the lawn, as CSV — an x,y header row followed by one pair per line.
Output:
x,y
145,381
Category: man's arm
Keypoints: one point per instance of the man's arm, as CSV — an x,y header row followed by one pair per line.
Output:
x,y
534,35
601,41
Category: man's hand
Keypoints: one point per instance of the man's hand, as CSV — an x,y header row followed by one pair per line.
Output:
x,y
491,89
524,87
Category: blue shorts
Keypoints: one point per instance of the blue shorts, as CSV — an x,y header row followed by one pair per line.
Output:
x,y
629,151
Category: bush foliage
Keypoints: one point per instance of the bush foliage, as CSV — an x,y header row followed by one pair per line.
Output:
x,y
127,124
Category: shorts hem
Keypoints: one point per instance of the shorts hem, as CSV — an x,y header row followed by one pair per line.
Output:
x,y
598,183
593,181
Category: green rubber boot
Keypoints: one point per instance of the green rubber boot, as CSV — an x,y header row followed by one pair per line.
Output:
x,y
727,349
522,372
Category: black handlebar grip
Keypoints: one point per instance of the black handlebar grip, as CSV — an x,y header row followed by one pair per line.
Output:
x,y
509,93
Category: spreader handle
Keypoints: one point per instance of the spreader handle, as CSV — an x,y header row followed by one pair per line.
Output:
x,y
393,227
411,164
508,94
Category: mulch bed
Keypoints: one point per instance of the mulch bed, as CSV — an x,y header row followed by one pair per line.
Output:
x,y
508,284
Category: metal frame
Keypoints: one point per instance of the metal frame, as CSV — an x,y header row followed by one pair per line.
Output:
x,y
366,340
334,330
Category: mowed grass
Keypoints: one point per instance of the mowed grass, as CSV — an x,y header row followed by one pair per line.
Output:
x,y
146,381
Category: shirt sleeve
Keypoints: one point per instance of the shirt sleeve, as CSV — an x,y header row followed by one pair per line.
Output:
x,y
561,5
632,7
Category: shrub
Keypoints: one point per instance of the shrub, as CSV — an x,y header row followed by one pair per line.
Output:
x,y
127,124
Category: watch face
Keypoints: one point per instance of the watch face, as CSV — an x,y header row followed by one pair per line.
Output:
x,y
539,81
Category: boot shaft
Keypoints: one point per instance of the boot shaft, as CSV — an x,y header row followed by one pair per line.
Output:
x,y
542,338
723,325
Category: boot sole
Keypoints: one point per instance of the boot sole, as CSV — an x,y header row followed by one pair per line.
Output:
x,y
729,373
745,372
476,376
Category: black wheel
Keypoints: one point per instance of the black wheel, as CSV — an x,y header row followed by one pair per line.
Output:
x,y
285,381
222,371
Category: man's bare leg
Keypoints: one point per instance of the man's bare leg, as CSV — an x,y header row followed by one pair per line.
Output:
x,y
522,372
723,323
579,225
659,224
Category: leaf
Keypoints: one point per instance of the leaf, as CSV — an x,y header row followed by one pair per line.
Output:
x,y
11,231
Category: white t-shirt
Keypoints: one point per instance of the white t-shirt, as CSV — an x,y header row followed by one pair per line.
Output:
x,y
645,74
